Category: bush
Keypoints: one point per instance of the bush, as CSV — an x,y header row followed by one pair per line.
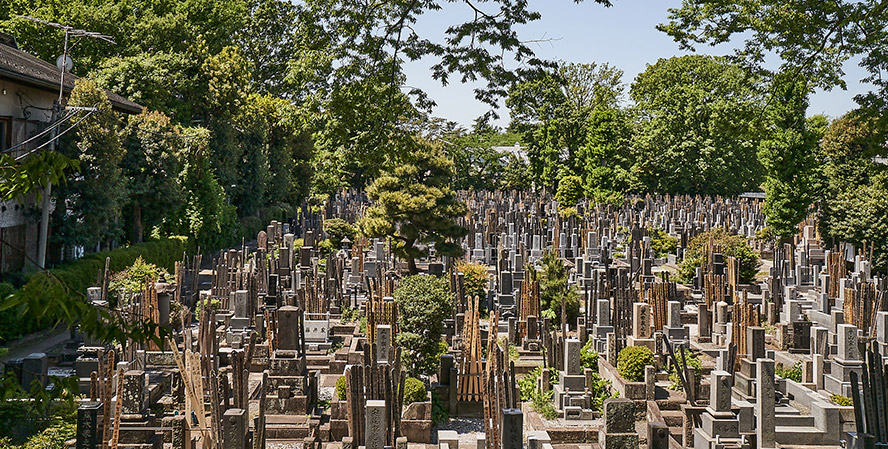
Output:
x,y
631,362
570,191
424,302
541,402
131,280
213,303
337,229
554,288
662,243
440,414
731,245
60,294
688,358
476,278
841,400
794,373
588,356
341,388
414,391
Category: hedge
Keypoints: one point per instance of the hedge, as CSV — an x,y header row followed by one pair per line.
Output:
x,y
78,276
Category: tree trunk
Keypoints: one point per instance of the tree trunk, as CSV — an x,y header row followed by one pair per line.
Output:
x,y
137,230
411,266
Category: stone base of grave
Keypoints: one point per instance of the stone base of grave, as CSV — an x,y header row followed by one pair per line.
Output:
x,y
649,343
704,441
618,440
531,345
139,431
281,365
723,427
842,369
676,333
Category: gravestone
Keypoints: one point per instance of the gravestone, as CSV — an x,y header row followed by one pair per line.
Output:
x,y
375,425
765,405
87,425
512,430
234,429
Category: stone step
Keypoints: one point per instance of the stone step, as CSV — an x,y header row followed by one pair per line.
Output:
x,y
798,436
784,410
795,420
673,418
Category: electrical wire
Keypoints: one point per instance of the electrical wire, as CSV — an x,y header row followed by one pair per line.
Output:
x,y
68,115
57,136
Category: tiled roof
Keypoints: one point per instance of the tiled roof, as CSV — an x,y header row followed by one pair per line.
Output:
x,y
19,66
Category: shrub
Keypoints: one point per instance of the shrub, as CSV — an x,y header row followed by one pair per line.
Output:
x,y
662,243
570,191
131,280
794,373
554,289
424,302
529,391
213,303
414,391
841,400
588,356
476,278
337,229
688,358
341,388
440,415
59,295
731,245
631,362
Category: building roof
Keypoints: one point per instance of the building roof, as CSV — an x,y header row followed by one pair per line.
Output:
x,y
21,67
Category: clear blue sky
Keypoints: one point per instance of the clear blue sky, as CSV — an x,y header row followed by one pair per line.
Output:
x,y
623,36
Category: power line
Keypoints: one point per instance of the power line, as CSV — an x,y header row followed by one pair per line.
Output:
x,y
48,129
56,137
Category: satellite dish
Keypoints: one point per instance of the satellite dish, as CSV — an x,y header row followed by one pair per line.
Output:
x,y
64,62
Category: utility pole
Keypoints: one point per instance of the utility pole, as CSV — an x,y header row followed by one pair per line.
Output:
x,y
64,64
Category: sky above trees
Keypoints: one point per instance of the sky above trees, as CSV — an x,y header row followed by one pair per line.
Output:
x,y
623,36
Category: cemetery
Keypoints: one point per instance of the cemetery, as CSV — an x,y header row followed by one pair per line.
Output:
x,y
460,224
279,342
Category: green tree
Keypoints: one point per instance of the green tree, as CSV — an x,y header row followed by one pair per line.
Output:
x,y
788,158
570,191
555,289
414,205
607,156
551,110
424,302
337,229
151,166
699,126
94,196
205,215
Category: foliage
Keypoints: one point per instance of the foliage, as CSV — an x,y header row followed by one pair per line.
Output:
x,y
414,206
570,191
94,196
350,315
476,278
662,243
17,321
151,165
205,215
341,388
440,414
607,156
844,401
687,358
550,111
337,229
699,126
730,244
476,163
213,303
424,302
414,391
852,204
554,288
588,356
133,278
57,295
350,73
788,159
793,373
39,417
631,362
529,391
